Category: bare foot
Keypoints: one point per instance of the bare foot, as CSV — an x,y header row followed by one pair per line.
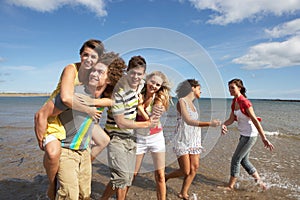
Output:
x,y
181,196
227,188
261,184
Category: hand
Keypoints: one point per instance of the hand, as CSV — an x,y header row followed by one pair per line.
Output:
x,y
268,144
157,111
40,142
39,138
84,100
141,99
215,123
153,122
224,129
94,113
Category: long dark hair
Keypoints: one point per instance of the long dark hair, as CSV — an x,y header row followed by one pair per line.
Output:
x,y
185,87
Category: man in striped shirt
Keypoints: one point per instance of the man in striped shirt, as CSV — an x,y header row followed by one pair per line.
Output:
x,y
119,126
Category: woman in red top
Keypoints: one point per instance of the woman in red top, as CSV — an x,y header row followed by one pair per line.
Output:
x,y
249,128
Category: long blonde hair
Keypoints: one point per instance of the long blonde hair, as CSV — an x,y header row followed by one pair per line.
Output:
x,y
163,94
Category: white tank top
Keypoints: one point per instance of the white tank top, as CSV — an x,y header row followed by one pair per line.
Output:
x,y
245,124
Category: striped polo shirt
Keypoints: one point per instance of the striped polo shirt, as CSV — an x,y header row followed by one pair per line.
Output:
x,y
125,102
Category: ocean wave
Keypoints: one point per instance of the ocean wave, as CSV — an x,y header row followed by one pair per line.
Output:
x,y
272,133
283,134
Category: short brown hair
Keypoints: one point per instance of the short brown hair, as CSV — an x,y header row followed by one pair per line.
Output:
x,y
136,61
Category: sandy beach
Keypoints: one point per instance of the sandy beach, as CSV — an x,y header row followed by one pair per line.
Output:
x,y
23,176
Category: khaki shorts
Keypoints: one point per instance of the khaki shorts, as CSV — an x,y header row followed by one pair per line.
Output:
x,y
74,175
121,154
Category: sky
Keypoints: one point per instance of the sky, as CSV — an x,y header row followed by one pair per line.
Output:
x,y
212,41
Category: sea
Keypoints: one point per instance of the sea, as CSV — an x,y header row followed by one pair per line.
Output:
x,y
280,121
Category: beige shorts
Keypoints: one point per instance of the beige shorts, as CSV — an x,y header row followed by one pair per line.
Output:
x,y
74,175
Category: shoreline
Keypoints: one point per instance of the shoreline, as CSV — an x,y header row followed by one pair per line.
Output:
x,y
29,94
24,94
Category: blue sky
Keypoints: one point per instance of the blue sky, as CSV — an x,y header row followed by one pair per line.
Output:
x,y
210,40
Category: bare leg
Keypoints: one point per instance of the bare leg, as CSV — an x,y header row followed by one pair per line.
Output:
x,y
138,163
51,164
194,165
121,193
101,140
108,192
182,170
232,182
184,164
159,163
52,149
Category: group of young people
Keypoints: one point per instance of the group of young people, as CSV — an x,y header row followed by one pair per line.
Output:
x,y
67,126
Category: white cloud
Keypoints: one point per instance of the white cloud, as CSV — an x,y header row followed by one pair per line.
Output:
x,y
233,11
96,6
285,29
272,55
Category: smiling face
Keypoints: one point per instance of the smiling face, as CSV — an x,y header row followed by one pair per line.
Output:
x,y
135,76
89,57
98,75
234,89
154,83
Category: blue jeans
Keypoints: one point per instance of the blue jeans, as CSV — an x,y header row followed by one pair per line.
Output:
x,y
241,156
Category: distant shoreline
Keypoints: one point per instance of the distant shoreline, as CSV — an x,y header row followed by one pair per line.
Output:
x,y
28,94
24,94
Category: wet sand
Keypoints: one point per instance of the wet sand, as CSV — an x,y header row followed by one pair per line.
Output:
x,y
23,176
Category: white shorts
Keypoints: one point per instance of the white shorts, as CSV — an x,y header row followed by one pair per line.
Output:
x,y
151,143
48,138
